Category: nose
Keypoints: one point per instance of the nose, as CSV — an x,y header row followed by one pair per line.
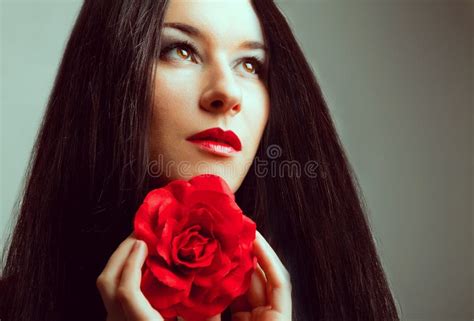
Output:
x,y
222,94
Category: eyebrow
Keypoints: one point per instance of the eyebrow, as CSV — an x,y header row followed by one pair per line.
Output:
x,y
195,32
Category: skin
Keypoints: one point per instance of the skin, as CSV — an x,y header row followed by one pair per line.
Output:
x,y
191,85
185,89
268,298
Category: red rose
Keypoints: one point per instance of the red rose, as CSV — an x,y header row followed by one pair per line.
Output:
x,y
200,248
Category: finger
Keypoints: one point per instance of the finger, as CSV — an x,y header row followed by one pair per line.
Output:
x,y
273,268
261,273
241,316
114,265
239,304
257,294
277,276
257,312
132,300
110,275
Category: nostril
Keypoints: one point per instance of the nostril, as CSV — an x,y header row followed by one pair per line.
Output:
x,y
216,103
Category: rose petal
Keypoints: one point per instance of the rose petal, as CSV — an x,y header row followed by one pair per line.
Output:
x,y
163,245
182,241
200,312
144,225
158,294
249,229
146,219
200,215
165,275
204,260
227,216
236,281
179,188
211,182
209,251
193,309
222,204
169,313
155,198
194,246
220,266
169,210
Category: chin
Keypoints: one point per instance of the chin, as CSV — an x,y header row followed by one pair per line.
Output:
x,y
232,178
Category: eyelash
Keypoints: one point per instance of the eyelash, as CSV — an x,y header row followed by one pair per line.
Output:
x,y
259,65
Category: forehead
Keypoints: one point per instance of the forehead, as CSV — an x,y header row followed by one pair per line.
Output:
x,y
217,20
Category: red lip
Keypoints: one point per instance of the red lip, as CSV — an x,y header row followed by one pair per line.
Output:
x,y
218,135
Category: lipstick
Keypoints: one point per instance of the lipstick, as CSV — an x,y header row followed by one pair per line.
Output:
x,y
217,141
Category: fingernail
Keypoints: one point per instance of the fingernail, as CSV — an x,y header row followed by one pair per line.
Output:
x,y
137,245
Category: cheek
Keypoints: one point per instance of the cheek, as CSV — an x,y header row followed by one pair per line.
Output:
x,y
265,110
163,118
165,94
261,118
171,108
256,121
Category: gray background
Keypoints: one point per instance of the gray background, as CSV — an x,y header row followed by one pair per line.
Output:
x,y
397,76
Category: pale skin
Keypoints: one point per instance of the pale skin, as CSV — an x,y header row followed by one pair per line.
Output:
x,y
187,86
216,85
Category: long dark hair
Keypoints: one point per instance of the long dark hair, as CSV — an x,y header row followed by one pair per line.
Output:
x,y
88,173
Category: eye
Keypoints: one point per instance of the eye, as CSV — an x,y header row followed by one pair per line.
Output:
x,y
252,64
187,46
255,63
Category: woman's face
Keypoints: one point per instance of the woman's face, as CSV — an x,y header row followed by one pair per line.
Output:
x,y
218,84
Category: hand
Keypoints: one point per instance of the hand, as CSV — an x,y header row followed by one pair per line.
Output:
x,y
269,295
119,284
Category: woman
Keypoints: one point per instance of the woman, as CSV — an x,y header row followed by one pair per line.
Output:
x,y
128,98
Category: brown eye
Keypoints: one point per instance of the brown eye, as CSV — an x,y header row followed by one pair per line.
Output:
x,y
180,52
253,65
247,64
183,48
